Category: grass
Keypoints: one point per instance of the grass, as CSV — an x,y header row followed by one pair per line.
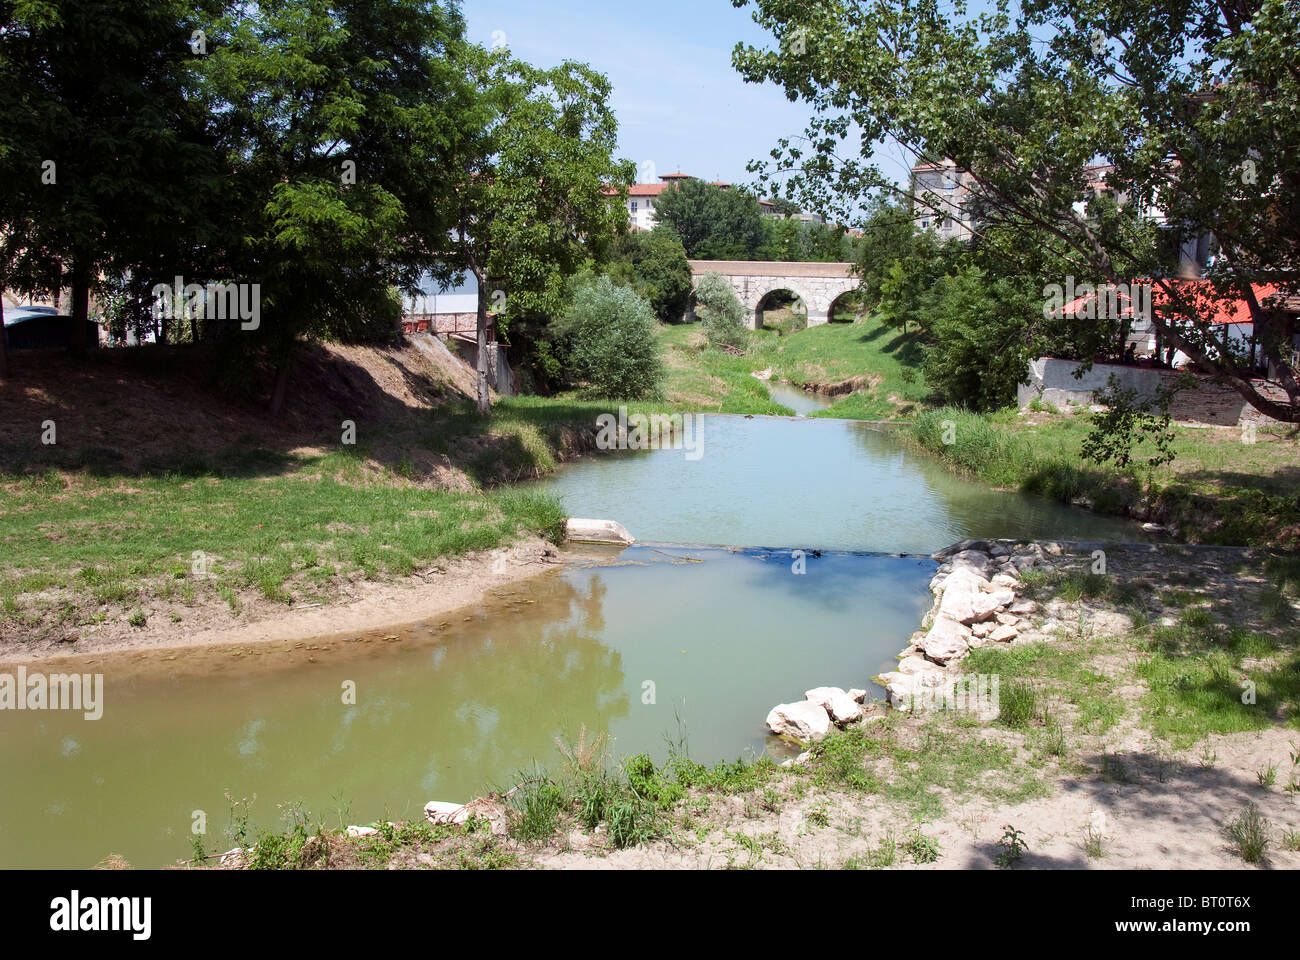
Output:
x,y
1198,684
1248,834
884,365
1217,490
112,545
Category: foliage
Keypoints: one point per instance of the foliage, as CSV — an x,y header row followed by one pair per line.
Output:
x,y
977,348
1067,85
722,315
655,265
610,332
713,223
1125,423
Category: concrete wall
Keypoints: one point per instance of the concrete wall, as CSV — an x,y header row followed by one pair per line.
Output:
x,y
1212,403
818,285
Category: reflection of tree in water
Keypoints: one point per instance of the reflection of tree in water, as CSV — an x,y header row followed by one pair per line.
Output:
x,y
497,691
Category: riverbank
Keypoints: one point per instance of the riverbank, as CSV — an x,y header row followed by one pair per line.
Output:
x,y
1124,737
1225,486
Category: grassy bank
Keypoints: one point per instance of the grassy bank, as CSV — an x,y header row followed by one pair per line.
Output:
x,y
1218,490
874,371
87,547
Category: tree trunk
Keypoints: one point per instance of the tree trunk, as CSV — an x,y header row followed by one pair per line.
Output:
x,y
484,397
80,312
4,357
281,387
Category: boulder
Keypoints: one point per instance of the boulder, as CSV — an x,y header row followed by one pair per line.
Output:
x,y
1004,633
965,600
805,720
946,641
946,552
362,831
1006,581
1023,608
915,665
582,530
858,695
841,707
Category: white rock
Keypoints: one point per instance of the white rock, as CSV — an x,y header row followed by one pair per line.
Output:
x,y
596,531
1023,607
440,811
982,629
804,720
1005,618
947,640
965,600
858,695
915,665
1004,633
1006,580
361,831
841,707
796,761
762,374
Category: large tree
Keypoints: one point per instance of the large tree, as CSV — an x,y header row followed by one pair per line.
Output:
x,y
534,160
714,223
334,116
1191,102
106,153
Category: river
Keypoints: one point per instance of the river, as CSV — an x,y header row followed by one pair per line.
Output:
x,y
646,645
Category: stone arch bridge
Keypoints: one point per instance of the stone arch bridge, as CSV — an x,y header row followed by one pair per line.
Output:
x,y
818,285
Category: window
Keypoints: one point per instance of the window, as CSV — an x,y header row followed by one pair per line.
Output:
x,y
634,206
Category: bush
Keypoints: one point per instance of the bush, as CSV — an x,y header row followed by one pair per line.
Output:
x,y
654,264
977,339
610,333
722,316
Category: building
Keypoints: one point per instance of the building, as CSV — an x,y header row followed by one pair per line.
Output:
x,y
941,199
642,197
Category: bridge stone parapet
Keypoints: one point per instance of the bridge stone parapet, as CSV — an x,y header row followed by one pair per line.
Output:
x,y
818,285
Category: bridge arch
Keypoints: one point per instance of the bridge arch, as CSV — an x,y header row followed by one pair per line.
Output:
x,y
818,285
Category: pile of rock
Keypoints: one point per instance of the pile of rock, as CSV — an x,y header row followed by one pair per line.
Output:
x,y
811,718
975,604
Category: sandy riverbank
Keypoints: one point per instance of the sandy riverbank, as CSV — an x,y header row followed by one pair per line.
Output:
x,y
365,606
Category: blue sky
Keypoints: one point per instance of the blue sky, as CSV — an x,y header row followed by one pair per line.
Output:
x,y
680,104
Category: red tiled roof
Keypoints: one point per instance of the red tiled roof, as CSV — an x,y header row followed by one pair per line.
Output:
x,y
1199,294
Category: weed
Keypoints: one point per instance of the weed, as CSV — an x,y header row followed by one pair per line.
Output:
x,y
1011,847
1248,833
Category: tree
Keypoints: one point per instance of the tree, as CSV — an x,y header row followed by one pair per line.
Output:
x,y
976,339
533,168
655,265
722,315
106,153
1192,108
333,115
611,334
713,223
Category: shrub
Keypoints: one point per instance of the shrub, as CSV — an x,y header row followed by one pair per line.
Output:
x,y
654,264
610,332
722,316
